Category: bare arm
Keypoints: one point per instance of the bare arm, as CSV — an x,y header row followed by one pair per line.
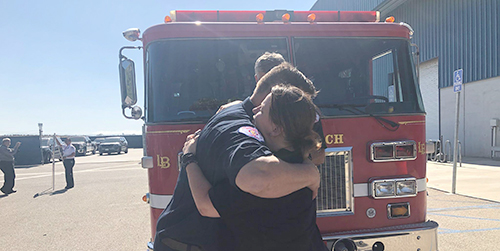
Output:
x,y
270,177
200,186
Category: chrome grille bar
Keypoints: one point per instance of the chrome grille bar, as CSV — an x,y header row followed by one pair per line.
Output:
x,y
335,192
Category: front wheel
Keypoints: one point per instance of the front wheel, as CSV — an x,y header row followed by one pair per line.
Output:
x,y
126,150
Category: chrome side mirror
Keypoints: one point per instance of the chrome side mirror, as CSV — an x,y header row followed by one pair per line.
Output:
x,y
127,82
128,85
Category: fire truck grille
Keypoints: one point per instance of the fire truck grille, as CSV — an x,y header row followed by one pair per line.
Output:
x,y
334,193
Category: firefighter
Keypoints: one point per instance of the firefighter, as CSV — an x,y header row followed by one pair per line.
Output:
x,y
246,162
287,223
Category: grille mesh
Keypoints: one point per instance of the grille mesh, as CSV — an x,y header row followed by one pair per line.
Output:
x,y
332,192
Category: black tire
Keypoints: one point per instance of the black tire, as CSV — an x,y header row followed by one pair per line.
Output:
x,y
126,150
100,153
119,151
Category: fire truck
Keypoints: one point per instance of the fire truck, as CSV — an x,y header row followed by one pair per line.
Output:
x,y
373,181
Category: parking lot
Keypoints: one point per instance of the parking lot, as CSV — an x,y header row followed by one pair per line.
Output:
x,y
105,211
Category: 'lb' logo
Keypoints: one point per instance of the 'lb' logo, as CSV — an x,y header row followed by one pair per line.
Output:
x,y
163,162
421,148
334,139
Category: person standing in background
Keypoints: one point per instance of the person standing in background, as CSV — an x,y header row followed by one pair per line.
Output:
x,y
7,165
69,153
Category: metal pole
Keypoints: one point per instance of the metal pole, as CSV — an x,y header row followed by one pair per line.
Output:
x,y
40,131
455,147
54,163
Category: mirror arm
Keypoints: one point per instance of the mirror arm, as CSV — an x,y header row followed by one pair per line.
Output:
x,y
121,56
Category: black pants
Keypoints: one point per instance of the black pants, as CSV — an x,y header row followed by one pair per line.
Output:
x,y
68,169
9,175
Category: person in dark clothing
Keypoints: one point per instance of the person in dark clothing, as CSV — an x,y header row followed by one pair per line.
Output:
x,y
231,152
7,165
286,223
69,152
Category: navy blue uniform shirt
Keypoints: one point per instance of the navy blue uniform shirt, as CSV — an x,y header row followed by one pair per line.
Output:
x,y
286,223
222,150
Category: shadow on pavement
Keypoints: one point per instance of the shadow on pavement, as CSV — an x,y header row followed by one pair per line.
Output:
x,y
48,192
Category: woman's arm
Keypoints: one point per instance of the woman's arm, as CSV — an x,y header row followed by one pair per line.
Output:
x,y
200,186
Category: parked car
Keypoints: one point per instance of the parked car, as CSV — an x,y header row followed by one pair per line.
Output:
x,y
98,142
46,144
113,144
83,145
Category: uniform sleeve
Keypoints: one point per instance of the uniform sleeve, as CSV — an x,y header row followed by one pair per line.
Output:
x,y
318,128
240,150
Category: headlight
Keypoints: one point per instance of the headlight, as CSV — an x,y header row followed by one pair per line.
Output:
x,y
406,187
384,188
390,188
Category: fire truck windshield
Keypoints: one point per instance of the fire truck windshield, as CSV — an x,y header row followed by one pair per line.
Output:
x,y
188,79
375,75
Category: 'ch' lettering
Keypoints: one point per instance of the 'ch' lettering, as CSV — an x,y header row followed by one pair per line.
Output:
x,y
334,139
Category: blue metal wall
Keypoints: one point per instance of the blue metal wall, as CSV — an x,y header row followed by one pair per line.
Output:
x,y
462,33
353,5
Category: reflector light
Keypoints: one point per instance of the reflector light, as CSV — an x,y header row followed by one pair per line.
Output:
x,y
311,17
259,17
285,17
145,198
398,210
390,19
168,19
393,151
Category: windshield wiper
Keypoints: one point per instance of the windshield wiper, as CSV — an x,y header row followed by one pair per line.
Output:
x,y
352,108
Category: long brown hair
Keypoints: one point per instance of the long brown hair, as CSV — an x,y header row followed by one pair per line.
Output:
x,y
293,110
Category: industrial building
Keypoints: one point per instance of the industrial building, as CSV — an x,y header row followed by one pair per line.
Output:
x,y
451,35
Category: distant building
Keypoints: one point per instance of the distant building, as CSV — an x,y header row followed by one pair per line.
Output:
x,y
451,35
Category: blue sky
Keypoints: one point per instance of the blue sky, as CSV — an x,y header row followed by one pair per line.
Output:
x,y
59,60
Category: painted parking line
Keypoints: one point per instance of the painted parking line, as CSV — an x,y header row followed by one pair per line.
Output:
x,y
453,231
463,208
110,168
465,217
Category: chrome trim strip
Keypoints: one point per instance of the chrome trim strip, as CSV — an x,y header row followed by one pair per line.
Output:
x,y
159,201
147,162
362,189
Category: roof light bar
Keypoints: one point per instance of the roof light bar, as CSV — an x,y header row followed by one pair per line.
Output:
x,y
275,15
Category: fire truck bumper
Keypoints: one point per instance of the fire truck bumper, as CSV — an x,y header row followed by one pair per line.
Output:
x,y
422,236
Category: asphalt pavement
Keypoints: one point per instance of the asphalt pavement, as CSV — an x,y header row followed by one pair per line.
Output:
x,y
105,211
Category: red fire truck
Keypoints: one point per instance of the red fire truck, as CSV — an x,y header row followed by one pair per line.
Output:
x,y
373,190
